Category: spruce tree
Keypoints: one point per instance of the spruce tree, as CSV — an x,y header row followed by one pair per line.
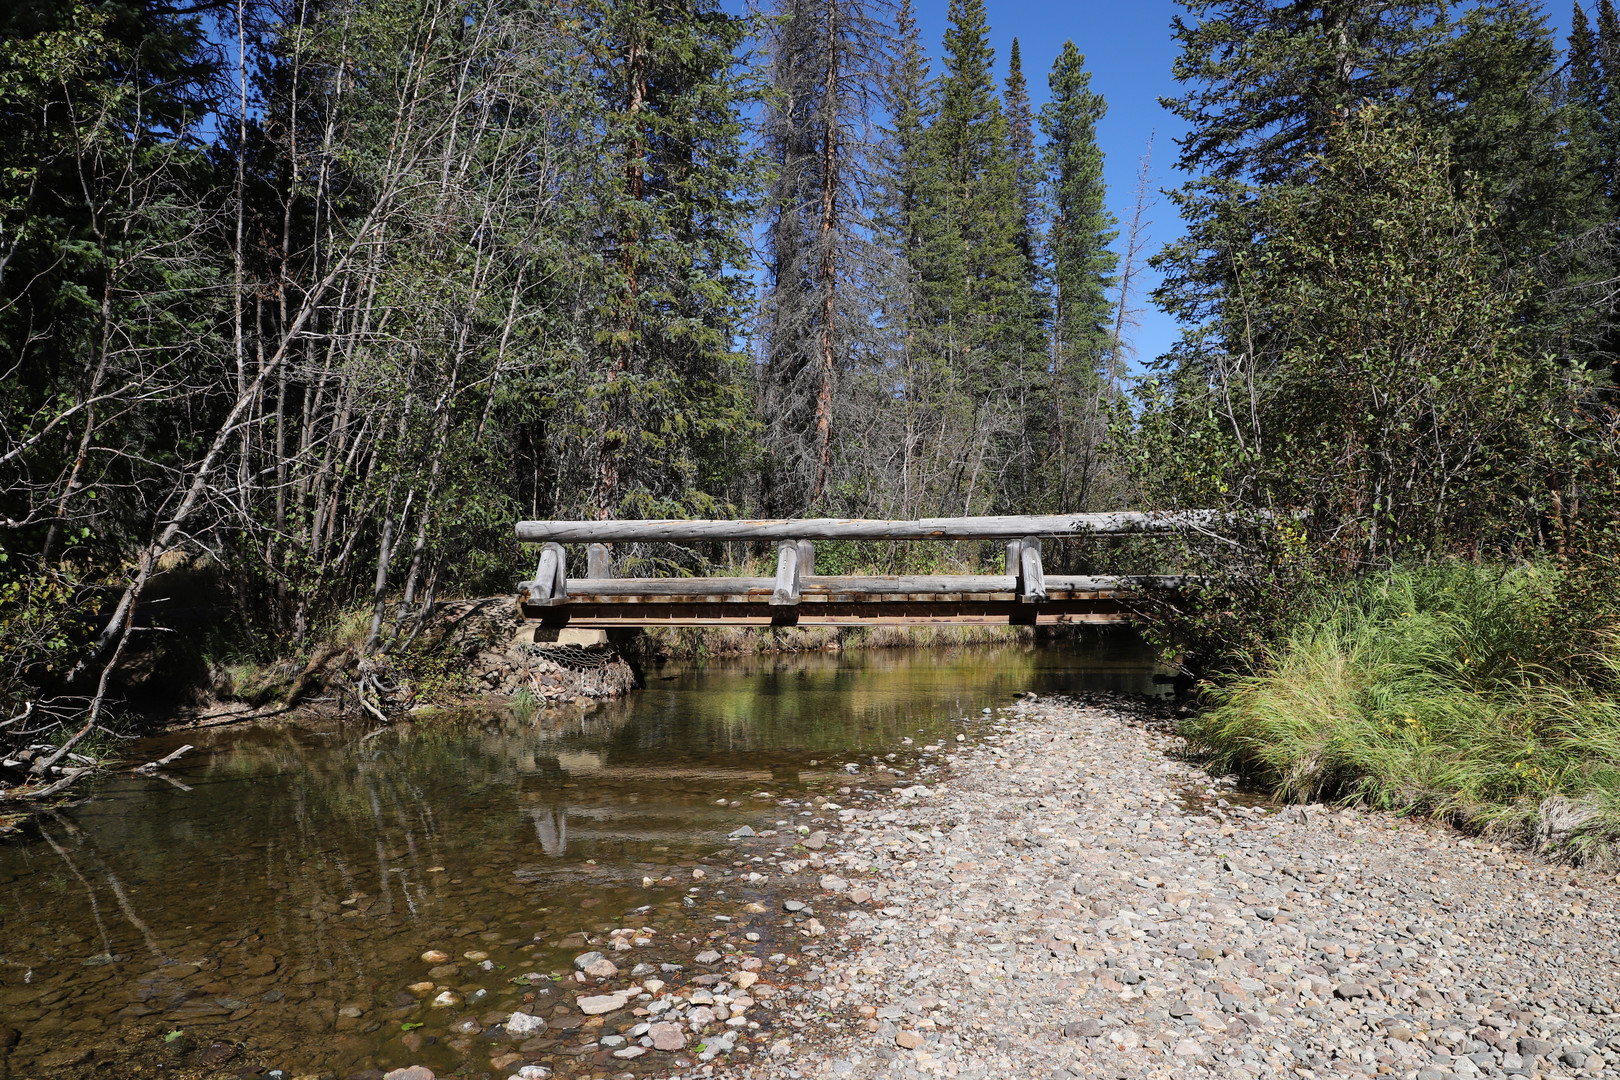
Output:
x,y
662,387
904,398
975,281
1497,108
1608,102
908,100
972,273
973,262
1082,268
1586,171
1026,170
1267,86
1082,228
1591,180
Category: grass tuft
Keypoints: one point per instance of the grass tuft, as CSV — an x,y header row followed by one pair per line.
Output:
x,y
1439,691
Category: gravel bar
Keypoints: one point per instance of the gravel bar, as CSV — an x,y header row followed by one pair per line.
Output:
x,y
1073,898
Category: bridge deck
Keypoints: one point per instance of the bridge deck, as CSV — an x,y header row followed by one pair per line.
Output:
x,y
829,601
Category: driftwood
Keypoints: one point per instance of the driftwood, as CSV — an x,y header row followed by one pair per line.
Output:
x,y
65,780
162,761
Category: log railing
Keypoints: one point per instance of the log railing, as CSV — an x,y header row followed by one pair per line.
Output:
x,y
680,530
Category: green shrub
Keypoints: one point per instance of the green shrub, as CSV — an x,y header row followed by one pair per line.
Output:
x,y
1446,691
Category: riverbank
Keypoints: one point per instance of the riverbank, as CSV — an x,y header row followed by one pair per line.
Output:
x,y
475,652
1484,696
1075,899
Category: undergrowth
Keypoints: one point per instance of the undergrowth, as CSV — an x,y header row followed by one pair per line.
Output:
x,y
1451,691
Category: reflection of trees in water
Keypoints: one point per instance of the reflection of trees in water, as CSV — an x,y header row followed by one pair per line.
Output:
x,y
815,703
282,826
276,833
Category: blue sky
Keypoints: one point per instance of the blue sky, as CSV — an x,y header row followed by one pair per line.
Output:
x,y
1129,51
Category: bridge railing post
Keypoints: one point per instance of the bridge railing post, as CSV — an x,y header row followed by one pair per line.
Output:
x,y
786,591
550,584
1031,575
597,565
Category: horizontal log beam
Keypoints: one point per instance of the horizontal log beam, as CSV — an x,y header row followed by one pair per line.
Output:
x,y
961,528
905,585
1004,612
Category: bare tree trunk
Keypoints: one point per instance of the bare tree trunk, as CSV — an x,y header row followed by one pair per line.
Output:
x,y
828,271
1135,241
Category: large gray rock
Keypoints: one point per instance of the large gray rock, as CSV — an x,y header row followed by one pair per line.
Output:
x,y
598,1004
524,1024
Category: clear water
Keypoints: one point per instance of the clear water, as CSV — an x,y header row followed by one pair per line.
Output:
x,y
275,890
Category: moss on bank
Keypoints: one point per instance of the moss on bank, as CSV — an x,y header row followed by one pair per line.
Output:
x,y
1452,692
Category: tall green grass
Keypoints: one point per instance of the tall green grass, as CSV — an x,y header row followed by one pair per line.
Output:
x,y
1454,691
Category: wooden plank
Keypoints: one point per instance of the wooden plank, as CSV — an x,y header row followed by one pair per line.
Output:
x,y
545,575
959,528
712,586
852,589
909,584
597,564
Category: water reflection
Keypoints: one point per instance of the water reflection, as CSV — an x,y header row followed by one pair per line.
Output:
x,y
278,887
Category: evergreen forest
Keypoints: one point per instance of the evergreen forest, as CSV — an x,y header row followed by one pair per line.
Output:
x,y
308,300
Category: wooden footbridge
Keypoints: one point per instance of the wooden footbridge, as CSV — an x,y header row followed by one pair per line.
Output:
x,y
797,596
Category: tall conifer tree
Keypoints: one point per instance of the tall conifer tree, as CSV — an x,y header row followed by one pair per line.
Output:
x,y
908,99
969,273
1266,87
1026,170
827,61
1586,171
1608,100
1591,179
1082,269
903,401
974,279
662,380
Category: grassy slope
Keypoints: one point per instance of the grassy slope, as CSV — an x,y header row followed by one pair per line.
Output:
x,y
1445,691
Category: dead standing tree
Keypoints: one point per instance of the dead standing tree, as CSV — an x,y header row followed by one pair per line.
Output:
x,y
827,59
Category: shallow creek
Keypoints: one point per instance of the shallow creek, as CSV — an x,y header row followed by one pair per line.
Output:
x,y
266,901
